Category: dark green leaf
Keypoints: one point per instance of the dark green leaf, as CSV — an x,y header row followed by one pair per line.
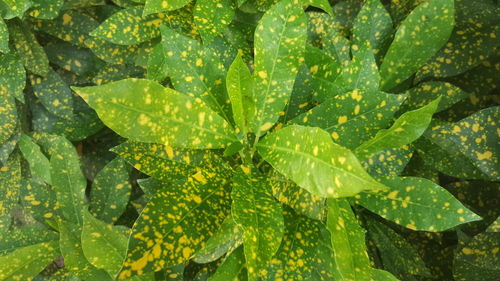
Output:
x,y
37,160
212,17
12,76
25,263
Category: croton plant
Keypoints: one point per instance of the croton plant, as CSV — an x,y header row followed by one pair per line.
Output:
x,y
254,140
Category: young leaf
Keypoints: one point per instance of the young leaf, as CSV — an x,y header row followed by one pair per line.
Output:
x,y
310,158
104,246
239,83
359,112
407,128
373,24
197,73
212,17
110,191
176,222
417,39
37,160
67,179
418,204
25,263
348,242
144,110
259,214
280,41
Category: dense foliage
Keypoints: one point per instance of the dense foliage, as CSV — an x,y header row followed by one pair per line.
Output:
x,y
251,140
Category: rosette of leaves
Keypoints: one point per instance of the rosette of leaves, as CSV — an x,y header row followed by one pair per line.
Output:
x,y
273,136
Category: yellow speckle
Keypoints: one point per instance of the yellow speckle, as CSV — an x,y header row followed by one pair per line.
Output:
x,y
342,119
335,136
138,166
188,78
262,74
66,19
170,151
486,155
196,199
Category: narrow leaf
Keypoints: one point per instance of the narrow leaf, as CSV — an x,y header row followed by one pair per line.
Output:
x,y
240,87
25,263
37,160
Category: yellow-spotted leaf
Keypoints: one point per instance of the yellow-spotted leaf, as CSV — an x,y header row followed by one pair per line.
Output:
x,y
10,183
4,37
156,6
16,8
280,40
144,110
324,70
25,263
260,216
212,17
54,94
74,259
418,204
110,191
197,73
37,160
240,86
417,39
67,179
348,242
406,129
232,268
467,148
104,245
177,222
225,240
373,24
359,112
45,9
12,77
297,256
310,158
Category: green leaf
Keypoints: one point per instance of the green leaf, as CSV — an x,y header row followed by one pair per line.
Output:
x,y
417,39
239,83
128,27
324,70
382,275
37,160
280,41
45,9
198,73
78,60
4,37
417,204
10,181
8,116
389,162
348,242
298,254
473,140
72,252
156,6
225,240
310,158
71,26
18,7
361,72
28,235
406,129
54,94
359,112
143,110
32,54
25,263
67,179
177,222
320,4
12,76
397,255
104,246
426,92
301,201
39,200
474,37
478,260
259,214
373,24
212,17
232,268
110,192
